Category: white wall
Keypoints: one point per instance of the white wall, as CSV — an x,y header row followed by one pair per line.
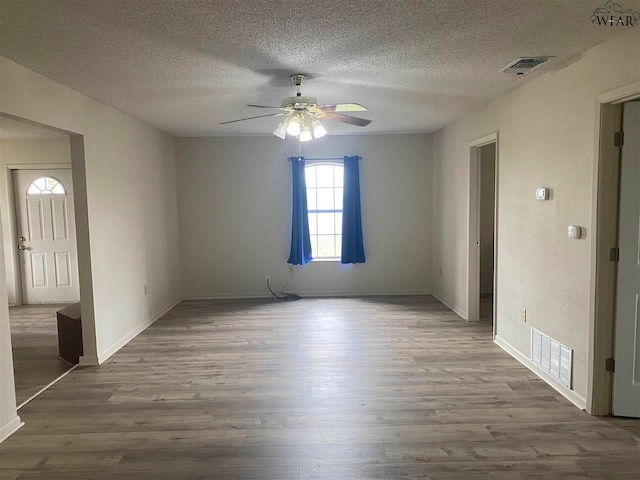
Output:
x,y
130,199
17,152
546,138
487,210
9,419
235,216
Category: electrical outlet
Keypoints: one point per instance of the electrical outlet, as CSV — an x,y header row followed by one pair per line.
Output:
x,y
290,268
267,279
523,315
146,290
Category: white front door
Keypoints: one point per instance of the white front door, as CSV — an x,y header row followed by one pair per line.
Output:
x,y
626,379
46,236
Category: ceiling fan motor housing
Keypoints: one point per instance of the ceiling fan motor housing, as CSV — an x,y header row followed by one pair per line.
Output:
x,y
299,103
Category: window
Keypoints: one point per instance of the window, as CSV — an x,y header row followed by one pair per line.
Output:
x,y
45,186
324,204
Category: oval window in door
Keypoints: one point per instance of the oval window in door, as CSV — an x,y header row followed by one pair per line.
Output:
x,y
46,186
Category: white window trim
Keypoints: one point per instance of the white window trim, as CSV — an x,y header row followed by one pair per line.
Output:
x,y
339,163
323,162
327,259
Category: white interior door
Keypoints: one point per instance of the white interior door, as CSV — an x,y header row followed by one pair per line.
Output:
x,y
47,236
626,379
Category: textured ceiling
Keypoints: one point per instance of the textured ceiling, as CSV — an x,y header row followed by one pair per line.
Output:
x,y
16,130
186,66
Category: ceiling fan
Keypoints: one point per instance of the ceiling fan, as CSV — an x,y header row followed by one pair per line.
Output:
x,y
302,114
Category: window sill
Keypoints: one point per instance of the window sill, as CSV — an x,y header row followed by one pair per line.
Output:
x,y
326,259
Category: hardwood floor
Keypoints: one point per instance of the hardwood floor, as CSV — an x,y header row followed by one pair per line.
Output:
x,y
324,389
34,341
486,308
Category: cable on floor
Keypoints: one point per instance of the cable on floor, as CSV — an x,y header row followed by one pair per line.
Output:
x,y
281,294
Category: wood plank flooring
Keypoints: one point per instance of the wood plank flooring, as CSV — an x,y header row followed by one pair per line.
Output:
x,y
486,308
323,389
34,341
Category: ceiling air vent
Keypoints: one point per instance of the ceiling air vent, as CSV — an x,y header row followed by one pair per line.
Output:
x,y
524,65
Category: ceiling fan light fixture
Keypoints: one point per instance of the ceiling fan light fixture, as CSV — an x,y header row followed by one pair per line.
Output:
x,y
281,130
318,129
305,134
293,126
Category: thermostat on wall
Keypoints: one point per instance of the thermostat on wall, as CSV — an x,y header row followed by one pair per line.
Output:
x,y
542,194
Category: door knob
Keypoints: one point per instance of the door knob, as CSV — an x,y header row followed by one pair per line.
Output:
x,y
22,247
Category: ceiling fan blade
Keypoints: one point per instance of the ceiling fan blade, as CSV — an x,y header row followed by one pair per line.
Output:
x,y
251,118
262,106
342,107
339,117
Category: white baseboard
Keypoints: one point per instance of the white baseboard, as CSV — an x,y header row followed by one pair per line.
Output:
x,y
10,428
339,294
229,296
342,294
569,394
457,310
104,356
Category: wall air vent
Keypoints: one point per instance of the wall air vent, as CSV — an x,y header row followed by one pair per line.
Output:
x,y
553,357
524,65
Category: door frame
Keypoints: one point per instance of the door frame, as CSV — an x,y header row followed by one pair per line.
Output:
x,y
80,200
473,233
605,197
13,217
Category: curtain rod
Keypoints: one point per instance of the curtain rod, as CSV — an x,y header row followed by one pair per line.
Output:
x,y
324,158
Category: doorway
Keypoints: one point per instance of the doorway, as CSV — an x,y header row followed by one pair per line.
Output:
x,y
487,158
626,376
614,355
483,194
39,246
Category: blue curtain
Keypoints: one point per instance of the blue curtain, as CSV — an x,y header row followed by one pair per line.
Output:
x,y
352,244
300,240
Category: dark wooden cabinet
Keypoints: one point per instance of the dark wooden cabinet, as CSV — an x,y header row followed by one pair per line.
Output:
x,y
70,333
